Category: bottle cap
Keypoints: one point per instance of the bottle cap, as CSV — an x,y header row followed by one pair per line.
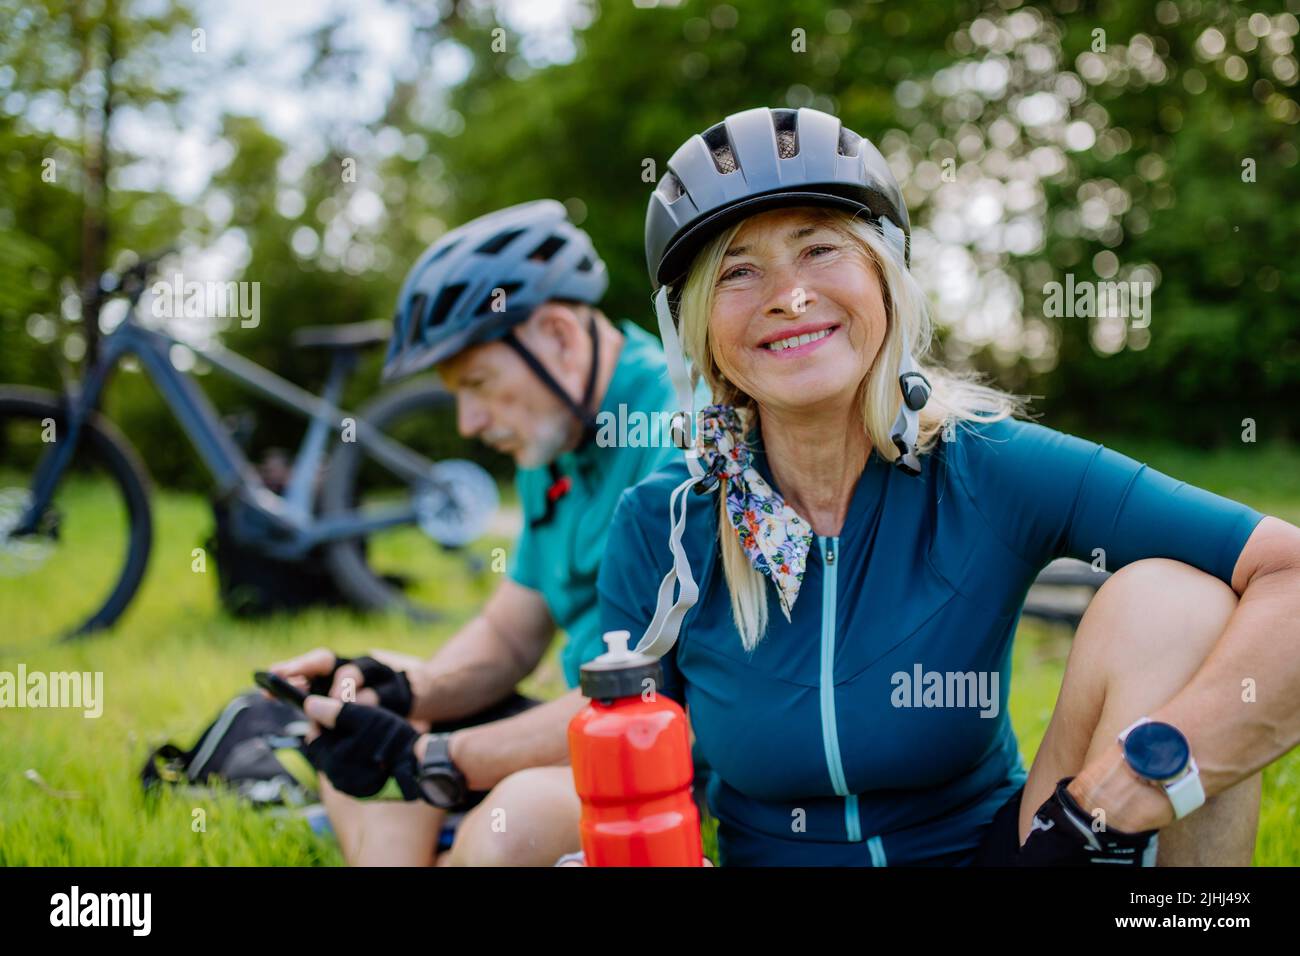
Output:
x,y
619,672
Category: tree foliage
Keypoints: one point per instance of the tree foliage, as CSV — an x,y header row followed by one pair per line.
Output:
x,y
1101,141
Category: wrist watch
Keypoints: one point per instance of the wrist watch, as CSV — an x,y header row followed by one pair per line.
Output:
x,y
440,780
1160,755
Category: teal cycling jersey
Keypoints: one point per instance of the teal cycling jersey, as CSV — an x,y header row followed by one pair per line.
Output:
x,y
563,539
872,727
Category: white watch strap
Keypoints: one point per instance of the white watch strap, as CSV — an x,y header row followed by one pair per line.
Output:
x,y
1123,734
1186,793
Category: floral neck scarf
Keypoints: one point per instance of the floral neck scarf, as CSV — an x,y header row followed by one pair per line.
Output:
x,y
774,538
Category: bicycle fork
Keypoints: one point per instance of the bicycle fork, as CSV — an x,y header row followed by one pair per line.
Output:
x,y
79,404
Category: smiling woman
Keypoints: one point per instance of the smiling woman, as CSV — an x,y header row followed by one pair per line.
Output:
x,y
901,512
806,313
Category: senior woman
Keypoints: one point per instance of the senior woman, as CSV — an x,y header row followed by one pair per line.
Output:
x,y
849,578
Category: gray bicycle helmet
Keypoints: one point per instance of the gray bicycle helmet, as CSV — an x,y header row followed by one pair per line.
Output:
x,y
752,161
761,159
479,281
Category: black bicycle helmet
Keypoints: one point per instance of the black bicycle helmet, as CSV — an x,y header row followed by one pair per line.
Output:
x,y
479,281
761,159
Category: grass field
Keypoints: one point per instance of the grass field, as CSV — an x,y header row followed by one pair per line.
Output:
x,y
174,660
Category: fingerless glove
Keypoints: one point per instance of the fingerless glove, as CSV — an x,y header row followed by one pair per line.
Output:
x,y
363,749
393,687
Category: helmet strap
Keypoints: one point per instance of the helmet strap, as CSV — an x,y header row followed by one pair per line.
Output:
x,y
661,634
895,237
679,374
582,411
907,426
678,590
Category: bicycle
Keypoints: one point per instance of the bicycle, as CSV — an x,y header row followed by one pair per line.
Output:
x,y
70,481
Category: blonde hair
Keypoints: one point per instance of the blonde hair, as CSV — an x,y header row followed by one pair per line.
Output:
x,y
955,397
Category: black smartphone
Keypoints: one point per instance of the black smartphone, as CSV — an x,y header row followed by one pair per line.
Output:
x,y
280,688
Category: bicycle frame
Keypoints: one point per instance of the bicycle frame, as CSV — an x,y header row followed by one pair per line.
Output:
x,y
283,525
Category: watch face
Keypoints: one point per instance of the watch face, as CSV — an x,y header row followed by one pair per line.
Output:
x,y
440,789
1157,751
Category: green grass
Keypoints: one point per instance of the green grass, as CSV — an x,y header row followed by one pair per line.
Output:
x,y
169,666
174,660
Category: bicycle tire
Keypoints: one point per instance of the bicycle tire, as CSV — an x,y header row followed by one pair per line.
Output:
x,y
346,560
100,437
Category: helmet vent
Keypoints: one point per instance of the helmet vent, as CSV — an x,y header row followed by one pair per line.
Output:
x,y
724,157
725,160
787,133
507,290
443,305
499,242
850,142
549,247
585,264
670,187
444,250
418,302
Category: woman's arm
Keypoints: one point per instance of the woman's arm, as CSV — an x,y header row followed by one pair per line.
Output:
x,y
1047,494
1242,709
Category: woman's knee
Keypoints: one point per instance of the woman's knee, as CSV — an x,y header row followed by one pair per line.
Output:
x,y
1158,614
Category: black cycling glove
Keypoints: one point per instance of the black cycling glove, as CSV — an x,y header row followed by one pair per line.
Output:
x,y
365,747
1063,835
393,687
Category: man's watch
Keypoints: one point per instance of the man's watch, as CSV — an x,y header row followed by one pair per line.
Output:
x,y
440,780
1159,754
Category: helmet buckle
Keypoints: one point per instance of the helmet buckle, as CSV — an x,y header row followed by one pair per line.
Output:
x,y
916,390
711,478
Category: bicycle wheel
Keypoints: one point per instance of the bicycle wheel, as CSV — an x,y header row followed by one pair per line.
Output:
x,y
77,572
403,567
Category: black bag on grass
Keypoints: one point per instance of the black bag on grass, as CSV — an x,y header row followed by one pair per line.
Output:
x,y
250,582
244,749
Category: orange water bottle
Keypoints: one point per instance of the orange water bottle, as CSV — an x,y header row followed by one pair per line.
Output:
x,y
631,757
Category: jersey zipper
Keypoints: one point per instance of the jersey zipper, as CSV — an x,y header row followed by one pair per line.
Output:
x,y
830,733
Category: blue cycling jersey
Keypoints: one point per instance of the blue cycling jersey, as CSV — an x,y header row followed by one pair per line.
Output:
x,y
872,728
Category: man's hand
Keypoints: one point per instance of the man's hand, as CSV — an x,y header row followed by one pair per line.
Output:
x,y
365,680
358,748
312,672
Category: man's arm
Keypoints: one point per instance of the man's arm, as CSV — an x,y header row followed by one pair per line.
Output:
x,y
488,753
354,755
486,658
479,666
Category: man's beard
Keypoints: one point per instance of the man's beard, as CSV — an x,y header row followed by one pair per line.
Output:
x,y
549,441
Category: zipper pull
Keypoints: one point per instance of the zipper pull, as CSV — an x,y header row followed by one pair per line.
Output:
x,y
830,551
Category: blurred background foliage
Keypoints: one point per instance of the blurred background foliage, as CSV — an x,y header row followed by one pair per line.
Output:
x,y
1110,141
